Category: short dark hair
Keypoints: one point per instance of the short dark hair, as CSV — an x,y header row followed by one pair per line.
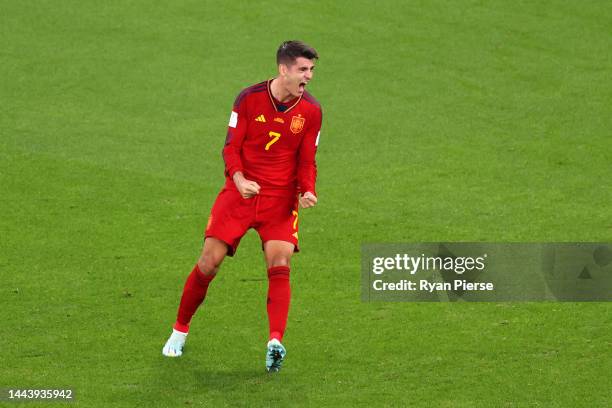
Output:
x,y
289,51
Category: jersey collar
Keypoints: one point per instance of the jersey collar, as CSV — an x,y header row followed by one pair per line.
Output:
x,y
299,98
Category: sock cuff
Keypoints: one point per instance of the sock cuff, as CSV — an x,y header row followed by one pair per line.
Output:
x,y
279,271
203,279
183,328
275,335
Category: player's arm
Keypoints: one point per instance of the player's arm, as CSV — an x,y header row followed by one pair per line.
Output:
x,y
307,165
236,132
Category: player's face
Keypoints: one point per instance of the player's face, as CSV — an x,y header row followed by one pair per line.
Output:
x,y
297,75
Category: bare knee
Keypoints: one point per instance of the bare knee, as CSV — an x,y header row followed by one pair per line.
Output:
x,y
213,253
279,260
278,253
208,264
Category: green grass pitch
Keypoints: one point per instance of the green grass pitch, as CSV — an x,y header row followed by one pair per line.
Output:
x,y
443,121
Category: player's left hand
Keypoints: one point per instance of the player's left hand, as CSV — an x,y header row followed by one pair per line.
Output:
x,y
307,200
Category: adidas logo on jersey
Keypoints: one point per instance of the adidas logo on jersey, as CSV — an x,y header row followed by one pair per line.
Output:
x,y
260,118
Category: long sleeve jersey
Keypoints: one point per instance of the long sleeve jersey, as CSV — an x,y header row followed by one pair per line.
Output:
x,y
272,143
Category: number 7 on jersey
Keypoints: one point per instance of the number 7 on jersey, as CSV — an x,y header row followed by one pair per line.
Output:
x,y
275,136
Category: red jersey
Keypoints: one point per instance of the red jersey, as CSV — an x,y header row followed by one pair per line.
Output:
x,y
271,143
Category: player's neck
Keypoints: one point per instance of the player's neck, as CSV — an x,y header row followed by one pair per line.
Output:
x,y
279,92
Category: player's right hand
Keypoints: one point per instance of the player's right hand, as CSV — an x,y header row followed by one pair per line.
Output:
x,y
246,188
249,189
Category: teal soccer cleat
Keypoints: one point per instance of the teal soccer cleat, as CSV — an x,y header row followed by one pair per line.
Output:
x,y
275,356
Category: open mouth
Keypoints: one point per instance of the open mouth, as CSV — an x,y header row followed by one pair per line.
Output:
x,y
302,86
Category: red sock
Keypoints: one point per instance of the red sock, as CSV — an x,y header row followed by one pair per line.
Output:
x,y
194,293
279,295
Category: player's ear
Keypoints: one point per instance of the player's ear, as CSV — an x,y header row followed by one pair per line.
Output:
x,y
282,69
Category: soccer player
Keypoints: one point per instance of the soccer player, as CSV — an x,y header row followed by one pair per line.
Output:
x,y
270,168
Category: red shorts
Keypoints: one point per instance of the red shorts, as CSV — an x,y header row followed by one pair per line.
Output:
x,y
274,218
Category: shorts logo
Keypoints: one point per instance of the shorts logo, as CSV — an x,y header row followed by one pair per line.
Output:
x,y
297,123
260,118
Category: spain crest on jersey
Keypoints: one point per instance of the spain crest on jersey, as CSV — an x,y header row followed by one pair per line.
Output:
x,y
297,123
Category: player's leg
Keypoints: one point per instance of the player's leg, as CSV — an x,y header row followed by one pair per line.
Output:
x,y
279,233
194,292
229,220
203,273
278,257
